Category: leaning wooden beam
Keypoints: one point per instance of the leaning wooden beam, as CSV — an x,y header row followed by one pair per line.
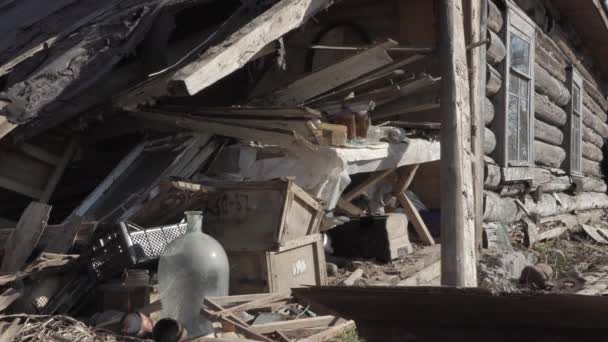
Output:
x,y
458,252
332,76
59,170
407,174
25,237
222,60
275,136
371,180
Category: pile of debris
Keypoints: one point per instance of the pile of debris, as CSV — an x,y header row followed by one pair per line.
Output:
x,y
113,141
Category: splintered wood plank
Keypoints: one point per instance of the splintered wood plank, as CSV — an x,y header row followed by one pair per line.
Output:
x,y
412,214
333,76
25,237
330,333
223,59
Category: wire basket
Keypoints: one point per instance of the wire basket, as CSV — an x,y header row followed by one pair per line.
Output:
x,y
130,246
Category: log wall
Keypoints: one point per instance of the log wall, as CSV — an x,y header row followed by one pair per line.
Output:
x,y
504,197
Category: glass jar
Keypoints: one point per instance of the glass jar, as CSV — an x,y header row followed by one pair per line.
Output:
x,y
192,267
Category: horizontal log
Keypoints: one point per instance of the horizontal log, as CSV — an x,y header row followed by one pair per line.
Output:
x,y
551,180
548,85
597,96
496,51
547,133
548,155
593,184
488,111
550,63
506,210
595,123
594,107
499,209
590,136
592,152
592,168
495,19
489,141
573,221
493,81
548,112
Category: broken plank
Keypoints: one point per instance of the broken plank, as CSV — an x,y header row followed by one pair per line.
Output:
x,y
370,181
25,237
412,214
333,76
223,59
254,304
599,235
424,276
321,321
330,333
353,277
349,208
280,137
62,243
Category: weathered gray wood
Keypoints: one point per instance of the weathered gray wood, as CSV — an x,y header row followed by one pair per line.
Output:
x,y
505,210
548,133
548,155
458,248
495,19
595,123
590,136
493,81
477,19
548,111
332,76
592,168
25,237
546,84
550,63
551,180
79,59
493,175
592,184
496,51
220,61
488,111
489,141
592,152
597,96
595,108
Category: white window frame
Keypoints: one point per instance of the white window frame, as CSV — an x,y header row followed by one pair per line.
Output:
x,y
575,80
518,23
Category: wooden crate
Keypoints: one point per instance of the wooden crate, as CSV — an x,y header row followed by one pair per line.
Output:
x,y
297,263
260,216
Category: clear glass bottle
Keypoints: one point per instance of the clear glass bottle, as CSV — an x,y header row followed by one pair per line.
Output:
x,y
192,267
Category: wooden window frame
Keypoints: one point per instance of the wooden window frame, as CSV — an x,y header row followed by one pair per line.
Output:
x,y
575,80
518,23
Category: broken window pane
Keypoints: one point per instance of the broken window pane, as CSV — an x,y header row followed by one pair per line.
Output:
x,y
520,54
512,129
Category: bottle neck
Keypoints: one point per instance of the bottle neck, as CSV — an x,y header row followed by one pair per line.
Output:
x,y
195,221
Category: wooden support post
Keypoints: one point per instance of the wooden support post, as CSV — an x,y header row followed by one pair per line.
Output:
x,y
458,255
406,176
476,20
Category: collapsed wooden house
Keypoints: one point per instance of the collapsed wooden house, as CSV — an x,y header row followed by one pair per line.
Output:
x,y
103,102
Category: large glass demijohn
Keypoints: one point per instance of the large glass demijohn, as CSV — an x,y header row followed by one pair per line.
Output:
x,y
192,267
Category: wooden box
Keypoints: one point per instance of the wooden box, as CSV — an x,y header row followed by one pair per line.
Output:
x,y
297,263
260,216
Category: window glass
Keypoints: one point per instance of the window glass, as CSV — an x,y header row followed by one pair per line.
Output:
x,y
520,54
512,125
524,129
576,144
